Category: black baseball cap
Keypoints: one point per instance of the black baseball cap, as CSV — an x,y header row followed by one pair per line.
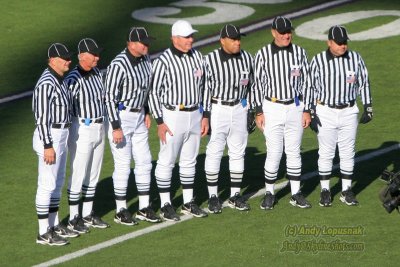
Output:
x,y
231,31
139,34
59,50
338,34
282,25
89,45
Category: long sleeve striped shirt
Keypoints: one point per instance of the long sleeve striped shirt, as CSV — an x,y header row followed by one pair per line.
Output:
x,y
127,83
281,73
178,80
339,80
228,77
50,104
87,92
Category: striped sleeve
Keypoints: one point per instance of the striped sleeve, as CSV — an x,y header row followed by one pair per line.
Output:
x,y
157,89
114,79
257,88
363,82
42,112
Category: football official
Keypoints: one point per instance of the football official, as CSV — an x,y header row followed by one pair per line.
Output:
x,y
86,136
338,76
281,75
229,71
51,109
175,102
127,85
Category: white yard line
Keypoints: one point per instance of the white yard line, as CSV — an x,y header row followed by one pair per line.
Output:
x,y
157,227
215,38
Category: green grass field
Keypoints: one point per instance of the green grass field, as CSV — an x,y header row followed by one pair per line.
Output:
x,y
254,238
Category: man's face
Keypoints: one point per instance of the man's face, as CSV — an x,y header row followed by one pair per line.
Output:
x,y
183,44
337,49
281,39
60,65
230,46
138,49
88,60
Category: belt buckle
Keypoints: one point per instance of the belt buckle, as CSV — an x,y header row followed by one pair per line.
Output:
x,y
181,107
274,99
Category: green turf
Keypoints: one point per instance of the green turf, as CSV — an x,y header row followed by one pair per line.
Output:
x,y
232,238
28,28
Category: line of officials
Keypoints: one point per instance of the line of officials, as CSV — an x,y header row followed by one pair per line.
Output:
x,y
187,93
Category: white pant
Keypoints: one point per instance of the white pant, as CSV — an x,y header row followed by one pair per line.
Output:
x,y
283,129
228,126
185,142
134,145
339,127
86,147
51,177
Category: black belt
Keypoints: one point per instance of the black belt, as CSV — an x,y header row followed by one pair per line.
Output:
x,y
339,106
173,108
132,109
225,103
98,120
283,102
61,125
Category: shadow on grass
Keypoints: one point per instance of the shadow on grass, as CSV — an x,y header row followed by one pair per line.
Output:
x,y
365,173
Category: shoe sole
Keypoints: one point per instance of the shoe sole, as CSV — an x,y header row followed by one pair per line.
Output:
x,y
80,232
325,205
266,208
76,234
294,204
43,242
347,203
144,218
168,219
124,223
97,226
195,215
233,206
215,211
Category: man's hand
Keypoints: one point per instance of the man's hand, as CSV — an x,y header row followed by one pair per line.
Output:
x,y
306,119
147,121
49,156
314,121
260,121
205,124
118,136
367,115
162,131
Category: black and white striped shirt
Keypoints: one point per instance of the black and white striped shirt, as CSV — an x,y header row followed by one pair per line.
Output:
x,y
280,73
178,80
338,80
228,77
87,92
127,82
50,104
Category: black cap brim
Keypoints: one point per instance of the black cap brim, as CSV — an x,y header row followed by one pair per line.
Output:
x,y
67,56
147,41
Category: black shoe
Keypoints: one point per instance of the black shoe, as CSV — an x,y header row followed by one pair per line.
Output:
x,y
325,198
348,198
77,225
214,204
63,231
298,200
51,238
124,217
168,213
238,202
148,214
95,221
268,202
191,208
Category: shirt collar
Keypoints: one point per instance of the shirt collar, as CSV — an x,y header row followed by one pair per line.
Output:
x,y
275,49
331,56
132,59
83,72
225,56
56,75
179,53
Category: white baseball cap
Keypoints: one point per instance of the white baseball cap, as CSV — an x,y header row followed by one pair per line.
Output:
x,y
182,28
